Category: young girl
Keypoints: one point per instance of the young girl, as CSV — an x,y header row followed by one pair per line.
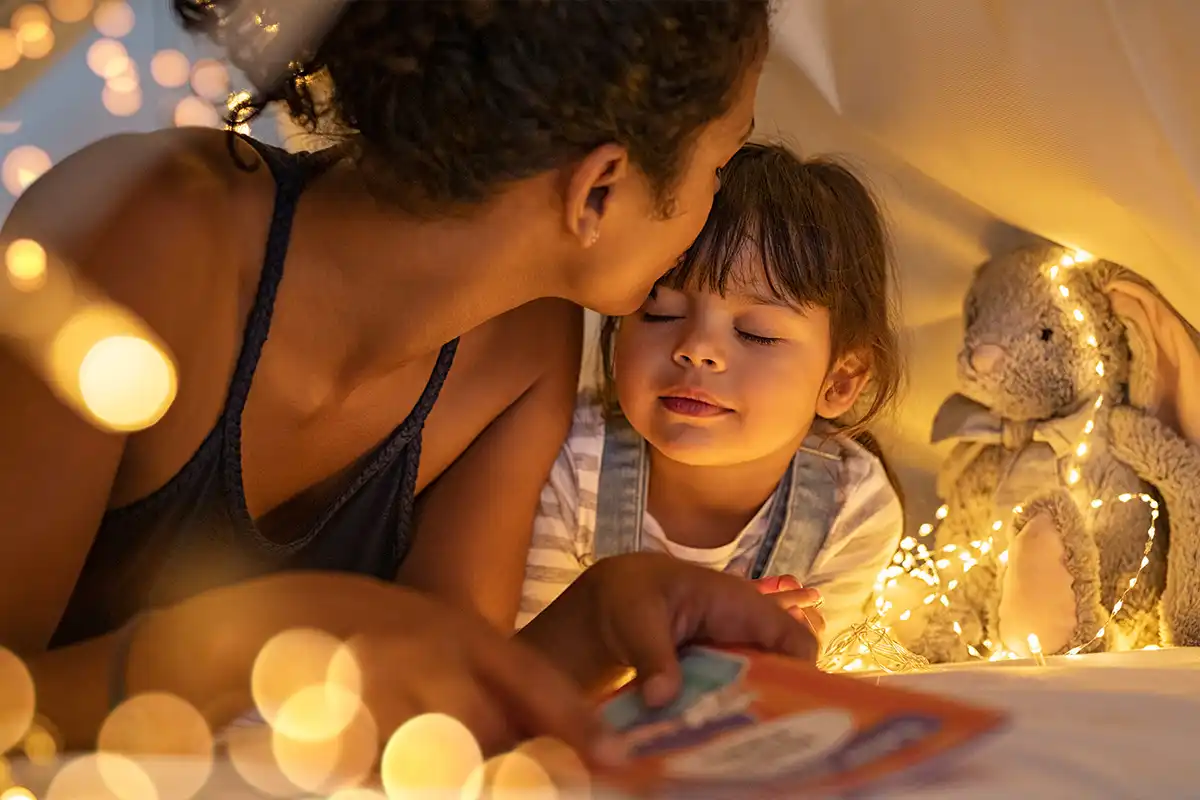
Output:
x,y
718,440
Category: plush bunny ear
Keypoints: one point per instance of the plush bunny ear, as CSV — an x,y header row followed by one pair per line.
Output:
x,y
1164,375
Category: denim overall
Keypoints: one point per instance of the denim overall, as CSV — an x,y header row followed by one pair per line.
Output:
x,y
802,510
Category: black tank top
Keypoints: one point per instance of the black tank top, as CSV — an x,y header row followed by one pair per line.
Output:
x,y
195,533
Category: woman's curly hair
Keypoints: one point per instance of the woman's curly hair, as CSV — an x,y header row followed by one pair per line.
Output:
x,y
448,99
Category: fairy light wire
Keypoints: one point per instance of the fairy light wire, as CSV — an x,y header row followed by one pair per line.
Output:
x,y
872,645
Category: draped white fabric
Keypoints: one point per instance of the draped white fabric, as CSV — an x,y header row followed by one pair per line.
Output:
x,y
982,123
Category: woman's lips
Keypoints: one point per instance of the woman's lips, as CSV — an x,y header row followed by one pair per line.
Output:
x,y
691,407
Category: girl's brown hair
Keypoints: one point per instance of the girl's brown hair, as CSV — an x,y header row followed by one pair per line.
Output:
x,y
819,234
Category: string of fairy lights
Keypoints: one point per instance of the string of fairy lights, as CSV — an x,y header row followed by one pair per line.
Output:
x,y
873,643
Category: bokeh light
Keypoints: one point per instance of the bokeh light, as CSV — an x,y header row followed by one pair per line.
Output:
x,y
306,684
170,68
127,382
25,264
210,80
22,166
31,22
17,793
10,49
114,18
18,700
250,750
108,58
193,111
69,10
104,359
41,743
343,760
429,753
166,737
511,776
562,764
357,793
40,47
122,102
101,776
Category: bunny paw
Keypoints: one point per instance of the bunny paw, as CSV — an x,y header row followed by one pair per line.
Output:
x,y
1051,587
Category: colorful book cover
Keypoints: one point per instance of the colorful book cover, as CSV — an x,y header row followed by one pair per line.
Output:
x,y
749,725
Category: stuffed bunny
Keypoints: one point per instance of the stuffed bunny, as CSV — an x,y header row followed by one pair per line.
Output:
x,y
1080,397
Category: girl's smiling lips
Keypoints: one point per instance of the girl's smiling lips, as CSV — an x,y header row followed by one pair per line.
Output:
x,y
689,402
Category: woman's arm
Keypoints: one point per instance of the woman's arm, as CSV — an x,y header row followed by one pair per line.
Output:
x,y
474,523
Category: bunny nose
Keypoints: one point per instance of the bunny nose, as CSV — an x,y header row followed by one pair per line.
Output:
x,y
986,358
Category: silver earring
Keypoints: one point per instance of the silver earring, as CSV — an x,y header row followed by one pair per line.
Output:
x,y
593,238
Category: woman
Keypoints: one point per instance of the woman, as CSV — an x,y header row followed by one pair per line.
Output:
x,y
498,154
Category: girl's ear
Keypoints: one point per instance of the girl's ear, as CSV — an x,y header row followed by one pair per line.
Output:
x,y
844,383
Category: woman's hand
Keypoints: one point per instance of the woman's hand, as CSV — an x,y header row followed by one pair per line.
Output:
x,y
801,602
636,611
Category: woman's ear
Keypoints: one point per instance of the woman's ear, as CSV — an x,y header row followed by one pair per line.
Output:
x,y
589,188
844,383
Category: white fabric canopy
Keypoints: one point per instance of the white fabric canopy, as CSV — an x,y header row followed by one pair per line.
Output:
x,y
982,123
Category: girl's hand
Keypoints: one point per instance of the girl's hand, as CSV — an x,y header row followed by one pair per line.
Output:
x,y
802,603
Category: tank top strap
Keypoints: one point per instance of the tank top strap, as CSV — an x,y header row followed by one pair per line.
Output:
x,y
292,173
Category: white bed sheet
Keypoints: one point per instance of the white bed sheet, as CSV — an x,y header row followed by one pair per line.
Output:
x,y
1110,725
1101,726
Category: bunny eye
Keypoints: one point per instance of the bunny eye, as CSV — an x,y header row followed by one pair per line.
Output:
x,y
1047,334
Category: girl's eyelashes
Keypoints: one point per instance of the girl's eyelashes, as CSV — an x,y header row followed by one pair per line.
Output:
x,y
743,335
752,338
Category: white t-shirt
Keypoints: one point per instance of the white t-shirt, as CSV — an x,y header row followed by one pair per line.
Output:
x,y
861,541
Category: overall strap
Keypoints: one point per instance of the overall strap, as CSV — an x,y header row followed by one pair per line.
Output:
x,y
801,515
621,495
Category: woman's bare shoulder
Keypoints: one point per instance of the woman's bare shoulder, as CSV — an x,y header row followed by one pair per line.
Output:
x,y
157,222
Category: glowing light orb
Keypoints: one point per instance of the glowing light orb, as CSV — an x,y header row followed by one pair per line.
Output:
x,y
195,112
108,58
69,10
158,724
114,18
210,80
22,166
10,49
25,263
120,102
17,700
429,753
170,68
101,775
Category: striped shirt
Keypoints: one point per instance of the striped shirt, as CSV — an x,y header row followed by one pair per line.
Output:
x,y
860,543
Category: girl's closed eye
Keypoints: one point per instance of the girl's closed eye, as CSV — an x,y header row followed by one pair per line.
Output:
x,y
648,316
756,339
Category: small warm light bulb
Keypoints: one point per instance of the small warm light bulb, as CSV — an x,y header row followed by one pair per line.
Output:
x,y
1078,315
942,512
1067,261
1064,291
1100,368
1073,476
1091,340
1083,255
1054,272
1081,450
